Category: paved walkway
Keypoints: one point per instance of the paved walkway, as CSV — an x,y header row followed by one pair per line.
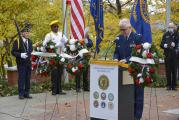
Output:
x,y
44,106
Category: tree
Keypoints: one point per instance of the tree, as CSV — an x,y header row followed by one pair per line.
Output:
x,y
38,12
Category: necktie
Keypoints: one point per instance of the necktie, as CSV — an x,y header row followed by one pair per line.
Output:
x,y
25,43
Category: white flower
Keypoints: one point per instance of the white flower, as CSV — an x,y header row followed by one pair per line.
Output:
x,y
146,46
139,75
72,47
72,41
64,49
42,49
51,46
74,69
62,59
141,80
38,48
144,54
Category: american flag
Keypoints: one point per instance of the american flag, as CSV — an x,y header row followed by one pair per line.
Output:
x,y
77,20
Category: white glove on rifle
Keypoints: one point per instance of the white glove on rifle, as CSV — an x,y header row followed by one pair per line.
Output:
x,y
24,55
165,45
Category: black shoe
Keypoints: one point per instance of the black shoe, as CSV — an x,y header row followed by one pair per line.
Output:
x,y
28,96
175,89
21,97
53,93
78,91
62,93
169,88
87,90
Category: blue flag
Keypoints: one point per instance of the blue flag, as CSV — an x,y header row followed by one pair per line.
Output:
x,y
140,20
96,8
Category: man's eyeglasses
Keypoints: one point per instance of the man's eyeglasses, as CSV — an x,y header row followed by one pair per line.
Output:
x,y
123,29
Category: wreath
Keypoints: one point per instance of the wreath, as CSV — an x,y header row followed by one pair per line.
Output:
x,y
143,64
75,57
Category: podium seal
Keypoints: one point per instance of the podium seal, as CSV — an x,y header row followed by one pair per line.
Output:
x,y
103,82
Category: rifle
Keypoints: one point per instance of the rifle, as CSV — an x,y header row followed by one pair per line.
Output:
x,y
18,32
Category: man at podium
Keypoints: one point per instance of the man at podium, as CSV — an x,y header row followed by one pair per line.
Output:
x,y
124,44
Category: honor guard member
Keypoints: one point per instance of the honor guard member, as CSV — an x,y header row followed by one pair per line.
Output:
x,y
168,44
59,40
124,44
22,50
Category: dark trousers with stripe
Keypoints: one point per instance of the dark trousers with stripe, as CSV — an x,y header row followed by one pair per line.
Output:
x,y
24,74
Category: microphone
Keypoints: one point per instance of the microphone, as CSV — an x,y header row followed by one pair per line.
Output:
x,y
113,42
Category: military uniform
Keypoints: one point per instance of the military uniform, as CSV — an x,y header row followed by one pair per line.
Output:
x,y
123,51
23,65
57,71
168,44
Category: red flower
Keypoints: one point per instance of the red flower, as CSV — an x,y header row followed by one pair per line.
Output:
x,y
80,66
75,72
69,66
149,55
152,70
34,66
137,82
148,79
51,50
82,42
130,70
138,47
52,62
34,58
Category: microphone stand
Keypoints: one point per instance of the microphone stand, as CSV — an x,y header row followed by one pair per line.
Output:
x,y
108,50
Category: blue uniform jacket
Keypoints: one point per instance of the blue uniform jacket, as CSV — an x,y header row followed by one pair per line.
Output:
x,y
124,47
17,52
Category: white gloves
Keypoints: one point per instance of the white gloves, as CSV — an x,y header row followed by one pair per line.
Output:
x,y
123,61
64,40
24,55
173,44
165,45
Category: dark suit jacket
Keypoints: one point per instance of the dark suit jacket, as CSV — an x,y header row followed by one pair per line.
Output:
x,y
22,49
167,39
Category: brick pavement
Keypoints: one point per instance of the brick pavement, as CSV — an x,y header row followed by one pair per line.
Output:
x,y
69,109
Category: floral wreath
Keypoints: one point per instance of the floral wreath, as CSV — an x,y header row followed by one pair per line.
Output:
x,y
75,58
143,64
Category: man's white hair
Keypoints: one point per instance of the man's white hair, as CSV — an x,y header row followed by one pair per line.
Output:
x,y
172,25
124,23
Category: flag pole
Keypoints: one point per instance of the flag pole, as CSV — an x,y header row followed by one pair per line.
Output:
x,y
65,5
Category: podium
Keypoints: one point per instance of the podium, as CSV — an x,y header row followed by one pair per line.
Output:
x,y
111,91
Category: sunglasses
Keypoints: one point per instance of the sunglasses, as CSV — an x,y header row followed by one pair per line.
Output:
x,y
55,26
